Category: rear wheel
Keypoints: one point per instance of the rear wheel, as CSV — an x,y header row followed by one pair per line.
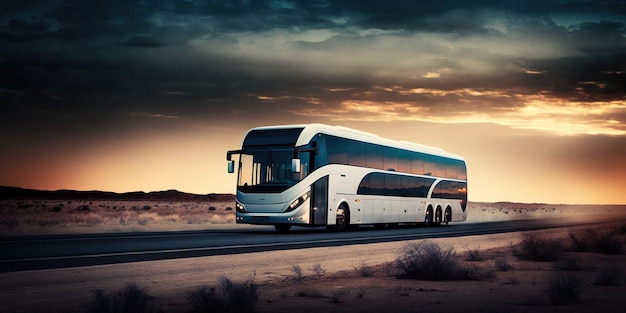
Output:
x,y
428,219
438,216
448,215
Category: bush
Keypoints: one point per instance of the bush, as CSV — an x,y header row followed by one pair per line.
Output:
x,y
474,254
230,298
572,263
582,239
364,270
536,247
131,299
297,270
565,289
503,264
318,269
608,243
609,275
426,260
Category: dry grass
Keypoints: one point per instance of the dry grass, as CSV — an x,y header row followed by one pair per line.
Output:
x,y
130,299
229,297
49,216
426,260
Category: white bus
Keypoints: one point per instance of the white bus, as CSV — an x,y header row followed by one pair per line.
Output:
x,y
333,176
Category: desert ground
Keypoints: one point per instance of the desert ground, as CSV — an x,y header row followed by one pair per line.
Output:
x,y
358,278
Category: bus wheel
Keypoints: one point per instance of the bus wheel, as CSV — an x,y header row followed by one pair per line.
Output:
x,y
428,220
438,216
283,228
343,219
448,215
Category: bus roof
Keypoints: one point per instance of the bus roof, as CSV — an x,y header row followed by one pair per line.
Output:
x,y
310,130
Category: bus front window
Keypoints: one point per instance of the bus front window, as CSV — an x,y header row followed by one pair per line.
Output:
x,y
269,170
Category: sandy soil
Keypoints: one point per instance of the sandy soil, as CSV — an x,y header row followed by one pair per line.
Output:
x,y
342,287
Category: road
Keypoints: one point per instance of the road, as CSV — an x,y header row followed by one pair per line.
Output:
x,y
62,251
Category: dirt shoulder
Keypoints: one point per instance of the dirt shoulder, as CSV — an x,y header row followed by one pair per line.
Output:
x,y
332,279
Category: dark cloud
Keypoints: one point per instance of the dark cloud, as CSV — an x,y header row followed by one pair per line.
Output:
x,y
110,58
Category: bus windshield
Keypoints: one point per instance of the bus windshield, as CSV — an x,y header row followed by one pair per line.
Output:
x,y
268,170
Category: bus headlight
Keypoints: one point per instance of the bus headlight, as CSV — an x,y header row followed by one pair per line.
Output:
x,y
298,202
240,207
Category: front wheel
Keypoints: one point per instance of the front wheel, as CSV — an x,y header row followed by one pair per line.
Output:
x,y
342,220
283,228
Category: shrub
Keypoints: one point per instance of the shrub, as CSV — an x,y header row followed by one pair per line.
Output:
x,y
230,298
609,275
364,270
503,264
565,289
474,254
582,239
296,269
572,263
426,260
537,247
608,243
318,269
131,299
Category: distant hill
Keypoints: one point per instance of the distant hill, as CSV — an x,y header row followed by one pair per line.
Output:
x,y
16,193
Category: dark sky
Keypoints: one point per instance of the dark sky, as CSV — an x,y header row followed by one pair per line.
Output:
x,y
149,95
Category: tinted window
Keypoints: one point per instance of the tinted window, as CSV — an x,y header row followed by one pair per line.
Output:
x,y
377,184
450,190
451,168
390,159
417,164
429,165
337,150
394,185
356,153
404,161
272,137
461,171
374,156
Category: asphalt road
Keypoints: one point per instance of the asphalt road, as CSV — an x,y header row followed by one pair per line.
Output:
x,y
47,252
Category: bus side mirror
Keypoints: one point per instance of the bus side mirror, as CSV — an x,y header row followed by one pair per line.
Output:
x,y
295,165
231,166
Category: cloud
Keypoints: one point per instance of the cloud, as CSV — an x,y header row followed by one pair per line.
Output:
x,y
488,60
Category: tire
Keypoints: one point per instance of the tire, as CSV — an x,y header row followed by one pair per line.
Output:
x,y
428,219
342,219
282,228
438,216
447,217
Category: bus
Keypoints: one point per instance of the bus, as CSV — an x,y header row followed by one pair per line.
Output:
x,y
318,175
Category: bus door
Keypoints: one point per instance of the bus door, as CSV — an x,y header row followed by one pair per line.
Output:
x,y
319,202
336,190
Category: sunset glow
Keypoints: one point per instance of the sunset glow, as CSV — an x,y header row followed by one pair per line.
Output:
x,y
150,96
